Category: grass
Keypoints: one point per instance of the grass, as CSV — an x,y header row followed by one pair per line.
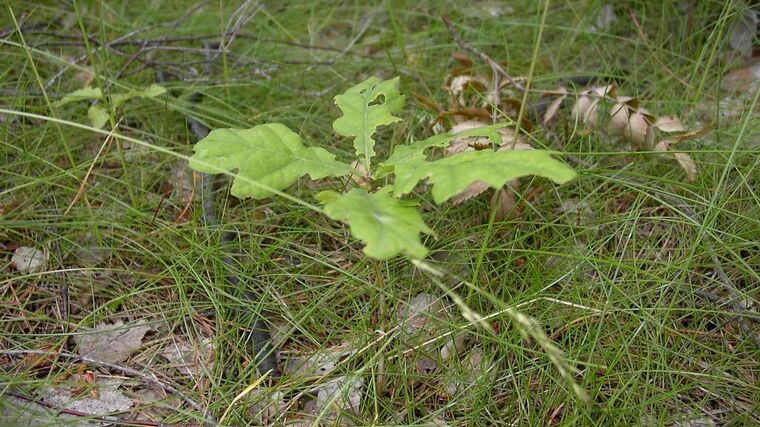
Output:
x,y
615,274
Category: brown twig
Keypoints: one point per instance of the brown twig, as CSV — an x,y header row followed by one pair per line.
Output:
x,y
485,58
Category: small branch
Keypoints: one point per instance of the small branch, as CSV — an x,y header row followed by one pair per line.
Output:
x,y
485,58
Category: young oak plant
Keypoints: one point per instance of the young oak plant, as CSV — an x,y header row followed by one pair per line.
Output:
x,y
274,156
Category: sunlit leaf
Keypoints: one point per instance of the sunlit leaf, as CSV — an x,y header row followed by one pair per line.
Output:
x,y
270,154
388,226
364,112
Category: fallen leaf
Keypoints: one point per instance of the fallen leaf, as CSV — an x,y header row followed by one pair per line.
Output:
x,y
551,111
669,124
462,58
605,18
190,358
457,85
586,106
743,32
321,363
688,165
29,260
742,80
110,399
630,122
419,318
504,202
112,343
341,394
362,178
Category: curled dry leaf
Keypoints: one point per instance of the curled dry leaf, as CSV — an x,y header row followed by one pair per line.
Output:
x,y
669,124
112,343
688,165
683,159
457,85
29,260
630,122
551,111
585,108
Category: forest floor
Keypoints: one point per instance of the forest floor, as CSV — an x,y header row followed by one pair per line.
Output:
x,y
626,296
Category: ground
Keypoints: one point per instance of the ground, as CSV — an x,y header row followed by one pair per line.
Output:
x,y
625,296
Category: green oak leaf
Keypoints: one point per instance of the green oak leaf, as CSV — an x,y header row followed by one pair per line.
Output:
x,y
98,116
451,175
363,114
270,154
414,152
386,224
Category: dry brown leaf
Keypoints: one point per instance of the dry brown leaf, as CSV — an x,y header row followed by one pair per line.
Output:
x,y
458,84
472,190
669,124
462,58
619,115
362,178
29,260
743,80
551,111
683,159
638,125
688,165
586,106
112,343
506,207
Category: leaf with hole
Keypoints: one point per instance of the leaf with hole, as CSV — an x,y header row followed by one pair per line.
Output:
x,y
363,113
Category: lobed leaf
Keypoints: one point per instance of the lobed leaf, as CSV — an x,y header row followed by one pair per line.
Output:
x,y
387,225
451,175
270,154
363,113
415,152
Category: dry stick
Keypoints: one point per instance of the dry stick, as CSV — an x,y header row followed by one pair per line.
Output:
x,y
123,369
485,58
